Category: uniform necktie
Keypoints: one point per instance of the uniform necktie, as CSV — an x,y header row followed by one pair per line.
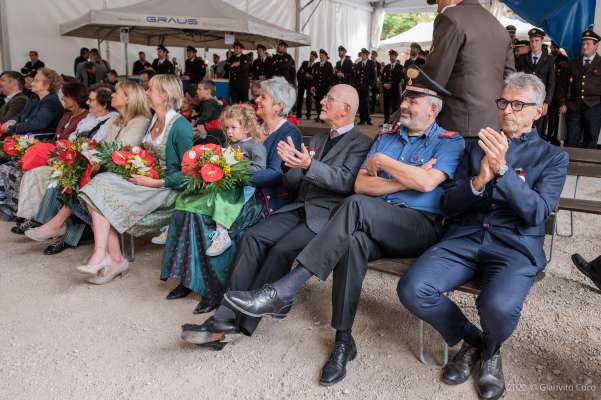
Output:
x,y
587,63
334,133
534,60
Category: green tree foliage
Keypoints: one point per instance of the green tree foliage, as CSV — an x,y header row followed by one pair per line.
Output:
x,y
399,23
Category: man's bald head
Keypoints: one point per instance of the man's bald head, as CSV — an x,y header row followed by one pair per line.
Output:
x,y
339,106
346,94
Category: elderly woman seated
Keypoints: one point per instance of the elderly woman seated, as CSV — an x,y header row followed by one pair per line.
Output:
x,y
190,233
142,204
39,116
64,225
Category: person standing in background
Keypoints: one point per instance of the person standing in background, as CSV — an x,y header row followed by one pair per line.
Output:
x,y
344,67
375,89
84,53
323,78
238,68
161,64
261,66
141,64
392,75
33,64
196,68
304,77
283,63
365,78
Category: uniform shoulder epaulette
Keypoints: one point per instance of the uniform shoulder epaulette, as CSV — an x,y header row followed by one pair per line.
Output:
x,y
448,135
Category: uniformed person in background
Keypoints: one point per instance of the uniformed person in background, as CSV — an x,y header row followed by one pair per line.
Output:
x,y
344,67
304,78
511,30
261,66
364,74
414,58
196,68
541,64
238,67
561,64
580,94
392,75
323,79
282,63
521,47
161,64
375,89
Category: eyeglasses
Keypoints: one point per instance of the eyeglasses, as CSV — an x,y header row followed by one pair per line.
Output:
x,y
331,99
516,105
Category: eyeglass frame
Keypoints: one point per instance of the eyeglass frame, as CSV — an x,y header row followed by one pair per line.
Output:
x,y
512,102
329,99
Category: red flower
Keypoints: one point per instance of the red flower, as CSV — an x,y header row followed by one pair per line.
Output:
x,y
87,175
63,145
212,125
9,147
203,148
293,120
152,173
146,156
120,157
67,156
211,173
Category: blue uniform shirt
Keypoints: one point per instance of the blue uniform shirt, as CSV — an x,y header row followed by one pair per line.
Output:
x,y
445,147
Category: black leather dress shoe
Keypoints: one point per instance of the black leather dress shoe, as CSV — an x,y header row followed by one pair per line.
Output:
x,y
179,292
334,369
491,382
591,270
259,303
56,247
459,369
204,307
20,229
211,331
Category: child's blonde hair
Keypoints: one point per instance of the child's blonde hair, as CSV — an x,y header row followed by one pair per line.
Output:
x,y
245,114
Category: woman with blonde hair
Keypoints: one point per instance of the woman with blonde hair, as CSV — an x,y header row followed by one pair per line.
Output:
x,y
142,204
63,225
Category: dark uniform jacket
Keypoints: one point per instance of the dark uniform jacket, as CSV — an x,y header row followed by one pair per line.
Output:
x,y
165,67
471,55
29,67
196,69
346,67
11,109
283,65
577,85
240,75
364,76
515,206
304,75
329,179
393,75
323,76
544,69
261,68
409,62
139,66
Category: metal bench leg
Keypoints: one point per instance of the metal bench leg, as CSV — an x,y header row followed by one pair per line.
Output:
x,y
422,355
132,255
571,212
552,240
132,249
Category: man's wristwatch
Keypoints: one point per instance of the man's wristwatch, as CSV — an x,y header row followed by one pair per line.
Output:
x,y
501,171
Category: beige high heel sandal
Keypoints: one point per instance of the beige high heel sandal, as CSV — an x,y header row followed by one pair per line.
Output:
x,y
104,277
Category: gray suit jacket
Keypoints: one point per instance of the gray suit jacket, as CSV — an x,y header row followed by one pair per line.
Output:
x,y
471,55
11,109
329,179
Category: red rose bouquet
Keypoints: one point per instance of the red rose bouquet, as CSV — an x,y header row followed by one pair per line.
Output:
x,y
129,160
14,146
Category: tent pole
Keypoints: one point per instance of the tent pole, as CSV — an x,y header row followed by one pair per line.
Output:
x,y
126,61
297,27
4,48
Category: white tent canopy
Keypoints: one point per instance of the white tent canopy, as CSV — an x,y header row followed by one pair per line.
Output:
x,y
180,23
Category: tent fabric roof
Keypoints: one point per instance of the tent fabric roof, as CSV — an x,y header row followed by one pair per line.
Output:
x,y
180,23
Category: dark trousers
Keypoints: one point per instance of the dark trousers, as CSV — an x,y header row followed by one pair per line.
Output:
x,y
299,102
319,95
363,229
374,98
540,125
583,125
553,122
507,276
364,104
239,95
392,100
265,254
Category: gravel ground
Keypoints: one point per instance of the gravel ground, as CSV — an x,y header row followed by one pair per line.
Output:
x,y
64,339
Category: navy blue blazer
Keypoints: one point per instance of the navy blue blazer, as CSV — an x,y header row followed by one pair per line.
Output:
x,y
270,179
39,116
514,207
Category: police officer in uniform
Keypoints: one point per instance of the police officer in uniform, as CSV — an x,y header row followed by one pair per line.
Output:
x,y
507,184
561,64
323,79
196,68
541,64
344,67
396,213
161,64
305,77
238,67
392,75
365,77
282,63
580,95
375,89
261,66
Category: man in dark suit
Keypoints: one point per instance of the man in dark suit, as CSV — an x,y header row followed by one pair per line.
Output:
x,y
304,78
141,64
375,89
323,78
282,63
471,54
322,176
238,67
497,205
414,58
392,75
161,64
541,64
33,64
395,213
580,94
261,66
561,64
364,74
11,86
344,67
196,68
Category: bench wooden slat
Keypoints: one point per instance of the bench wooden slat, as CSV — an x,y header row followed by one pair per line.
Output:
x,y
592,156
590,170
579,205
